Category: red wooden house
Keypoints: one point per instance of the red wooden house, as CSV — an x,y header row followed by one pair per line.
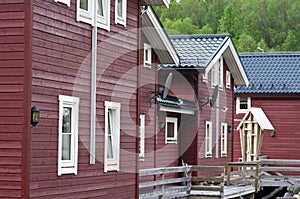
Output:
x,y
73,63
196,117
274,86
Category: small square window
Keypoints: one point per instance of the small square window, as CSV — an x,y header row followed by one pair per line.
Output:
x,y
120,12
147,55
171,130
242,104
67,2
217,74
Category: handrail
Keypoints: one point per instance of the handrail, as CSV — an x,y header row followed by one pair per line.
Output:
x,y
159,185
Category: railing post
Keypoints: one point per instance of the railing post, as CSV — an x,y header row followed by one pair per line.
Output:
x,y
228,175
256,177
162,187
189,183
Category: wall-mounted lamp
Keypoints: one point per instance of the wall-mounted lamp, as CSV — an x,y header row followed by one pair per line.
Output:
x,y
272,134
35,115
161,125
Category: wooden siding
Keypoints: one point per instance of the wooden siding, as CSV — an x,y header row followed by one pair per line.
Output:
x,y
61,65
14,98
283,113
208,113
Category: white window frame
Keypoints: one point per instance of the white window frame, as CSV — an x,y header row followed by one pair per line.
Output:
x,y
67,2
148,51
169,140
68,166
208,139
121,19
228,79
205,77
104,21
217,74
142,137
112,164
83,15
238,102
224,139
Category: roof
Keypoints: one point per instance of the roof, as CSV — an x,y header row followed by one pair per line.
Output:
x,y
177,105
158,38
155,3
276,73
202,51
260,117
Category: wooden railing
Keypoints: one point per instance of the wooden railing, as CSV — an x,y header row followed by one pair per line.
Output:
x,y
157,183
264,173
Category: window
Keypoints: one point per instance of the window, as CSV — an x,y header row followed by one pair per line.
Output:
x,y
242,104
217,74
84,11
120,12
112,136
68,134
103,14
67,2
208,139
171,130
204,77
147,55
228,79
142,137
223,139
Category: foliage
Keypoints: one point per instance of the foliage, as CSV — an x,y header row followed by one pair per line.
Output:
x,y
268,25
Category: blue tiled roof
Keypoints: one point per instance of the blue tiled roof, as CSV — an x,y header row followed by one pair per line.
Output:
x,y
197,50
271,72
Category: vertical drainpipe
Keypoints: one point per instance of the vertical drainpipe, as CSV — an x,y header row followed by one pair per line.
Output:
x,y
93,84
217,125
138,103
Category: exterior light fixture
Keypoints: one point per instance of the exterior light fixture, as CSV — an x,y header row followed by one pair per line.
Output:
x,y
35,115
229,129
272,134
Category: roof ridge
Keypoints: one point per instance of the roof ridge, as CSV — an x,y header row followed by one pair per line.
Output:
x,y
268,54
199,36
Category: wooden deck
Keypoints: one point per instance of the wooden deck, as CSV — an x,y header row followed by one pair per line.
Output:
x,y
233,181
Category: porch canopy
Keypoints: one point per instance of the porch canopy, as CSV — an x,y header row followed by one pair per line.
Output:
x,y
252,128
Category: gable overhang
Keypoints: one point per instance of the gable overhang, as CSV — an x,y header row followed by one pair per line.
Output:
x,y
173,109
233,61
158,38
259,117
155,3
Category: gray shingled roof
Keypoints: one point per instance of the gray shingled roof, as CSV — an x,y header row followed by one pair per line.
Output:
x,y
271,73
197,50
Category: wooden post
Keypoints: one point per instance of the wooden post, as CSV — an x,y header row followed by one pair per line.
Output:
x,y
189,183
256,177
228,175
162,187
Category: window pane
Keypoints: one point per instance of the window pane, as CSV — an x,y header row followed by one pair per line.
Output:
x,y
84,5
170,129
100,8
66,147
243,103
67,120
120,8
109,136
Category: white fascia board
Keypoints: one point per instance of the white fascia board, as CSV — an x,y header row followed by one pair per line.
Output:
x,y
176,110
165,41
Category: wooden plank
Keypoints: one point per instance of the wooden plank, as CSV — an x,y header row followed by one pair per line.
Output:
x,y
163,182
280,162
208,179
279,169
208,168
207,188
156,171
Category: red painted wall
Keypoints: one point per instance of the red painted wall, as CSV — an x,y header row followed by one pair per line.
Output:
x,y
283,112
14,98
208,113
61,66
